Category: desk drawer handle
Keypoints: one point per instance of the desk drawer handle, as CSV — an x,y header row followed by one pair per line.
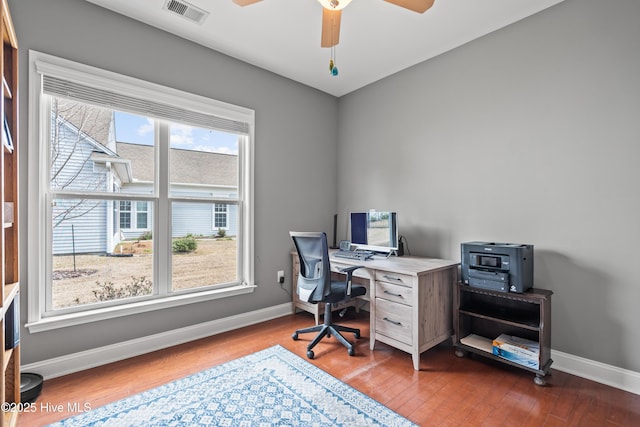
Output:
x,y
392,294
397,279
392,321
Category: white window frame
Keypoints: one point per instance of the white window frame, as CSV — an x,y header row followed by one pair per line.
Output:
x,y
145,212
39,228
134,220
129,211
226,216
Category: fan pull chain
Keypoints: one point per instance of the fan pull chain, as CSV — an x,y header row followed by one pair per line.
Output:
x,y
333,68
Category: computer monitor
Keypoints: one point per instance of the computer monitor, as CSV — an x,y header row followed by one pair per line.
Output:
x,y
374,231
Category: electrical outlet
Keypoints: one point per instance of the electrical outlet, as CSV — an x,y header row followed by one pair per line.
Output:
x,y
281,276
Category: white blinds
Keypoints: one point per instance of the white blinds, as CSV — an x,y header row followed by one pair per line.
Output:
x,y
129,95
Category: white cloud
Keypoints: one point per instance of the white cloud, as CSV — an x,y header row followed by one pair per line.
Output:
x,y
181,135
146,128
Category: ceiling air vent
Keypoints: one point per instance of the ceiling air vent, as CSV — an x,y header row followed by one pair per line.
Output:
x,y
186,10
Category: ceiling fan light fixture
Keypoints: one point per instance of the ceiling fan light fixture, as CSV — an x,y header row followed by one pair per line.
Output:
x,y
334,4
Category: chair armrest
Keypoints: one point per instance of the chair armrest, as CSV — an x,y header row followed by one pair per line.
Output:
x,y
349,272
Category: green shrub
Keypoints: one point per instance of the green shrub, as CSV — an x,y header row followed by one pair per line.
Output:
x,y
185,244
221,232
148,235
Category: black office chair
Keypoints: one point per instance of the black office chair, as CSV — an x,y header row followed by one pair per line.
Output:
x,y
315,285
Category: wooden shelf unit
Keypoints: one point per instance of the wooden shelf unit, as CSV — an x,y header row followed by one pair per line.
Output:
x,y
482,315
9,275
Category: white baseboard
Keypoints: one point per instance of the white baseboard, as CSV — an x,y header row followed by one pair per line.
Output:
x,y
63,365
606,374
80,361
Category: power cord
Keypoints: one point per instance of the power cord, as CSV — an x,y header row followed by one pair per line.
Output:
x,y
404,246
285,289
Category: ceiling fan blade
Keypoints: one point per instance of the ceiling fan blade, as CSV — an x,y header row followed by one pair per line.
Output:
x,y
245,2
419,6
330,27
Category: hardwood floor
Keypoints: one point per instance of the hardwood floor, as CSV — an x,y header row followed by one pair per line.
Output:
x,y
447,391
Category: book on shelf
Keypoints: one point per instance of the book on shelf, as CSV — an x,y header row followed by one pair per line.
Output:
x,y
519,350
6,136
479,342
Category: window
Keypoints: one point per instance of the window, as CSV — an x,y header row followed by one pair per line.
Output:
x,y
132,181
125,214
141,214
138,219
220,216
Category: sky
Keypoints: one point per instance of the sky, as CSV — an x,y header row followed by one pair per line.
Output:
x,y
139,130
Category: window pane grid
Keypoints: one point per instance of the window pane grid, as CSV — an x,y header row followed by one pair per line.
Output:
x,y
113,201
92,170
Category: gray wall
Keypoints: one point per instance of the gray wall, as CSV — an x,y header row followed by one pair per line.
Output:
x,y
528,135
302,124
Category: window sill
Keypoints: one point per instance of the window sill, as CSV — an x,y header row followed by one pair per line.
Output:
x,y
63,321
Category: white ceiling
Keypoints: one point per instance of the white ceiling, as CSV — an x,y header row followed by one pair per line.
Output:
x,y
377,38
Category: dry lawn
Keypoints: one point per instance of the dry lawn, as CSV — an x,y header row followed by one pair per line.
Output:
x,y
213,262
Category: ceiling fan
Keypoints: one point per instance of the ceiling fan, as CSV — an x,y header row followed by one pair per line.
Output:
x,y
332,12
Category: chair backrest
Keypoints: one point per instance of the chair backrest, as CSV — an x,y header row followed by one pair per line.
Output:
x,y
314,280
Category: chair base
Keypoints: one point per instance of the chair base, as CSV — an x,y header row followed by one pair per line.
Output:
x,y
328,329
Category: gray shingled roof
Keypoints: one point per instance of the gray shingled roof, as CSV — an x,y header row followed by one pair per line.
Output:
x,y
187,166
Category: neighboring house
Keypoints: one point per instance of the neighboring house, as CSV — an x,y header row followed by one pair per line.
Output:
x,y
80,135
188,170
88,159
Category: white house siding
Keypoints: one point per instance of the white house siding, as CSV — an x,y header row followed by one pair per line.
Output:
x,y
136,233
71,169
232,225
74,172
187,218
197,219
78,235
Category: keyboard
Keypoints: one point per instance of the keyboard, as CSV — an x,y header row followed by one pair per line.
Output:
x,y
361,255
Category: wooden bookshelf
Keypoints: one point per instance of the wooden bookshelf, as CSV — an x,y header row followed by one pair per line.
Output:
x,y
481,315
9,273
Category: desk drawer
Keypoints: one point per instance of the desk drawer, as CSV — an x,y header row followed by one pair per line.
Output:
x,y
396,293
394,320
395,278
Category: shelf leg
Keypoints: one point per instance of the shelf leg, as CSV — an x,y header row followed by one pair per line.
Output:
x,y
540,381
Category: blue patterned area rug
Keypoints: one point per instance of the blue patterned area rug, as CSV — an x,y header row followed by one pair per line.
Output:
x,y
272,387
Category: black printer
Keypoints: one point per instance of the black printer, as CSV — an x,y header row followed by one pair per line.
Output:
x,y
506,267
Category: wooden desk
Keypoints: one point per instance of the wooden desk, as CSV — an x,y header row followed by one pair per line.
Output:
x,y
410,300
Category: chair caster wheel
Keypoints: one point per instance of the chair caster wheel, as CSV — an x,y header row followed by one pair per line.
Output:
x,y
357,335
351,352
295,336
310,354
